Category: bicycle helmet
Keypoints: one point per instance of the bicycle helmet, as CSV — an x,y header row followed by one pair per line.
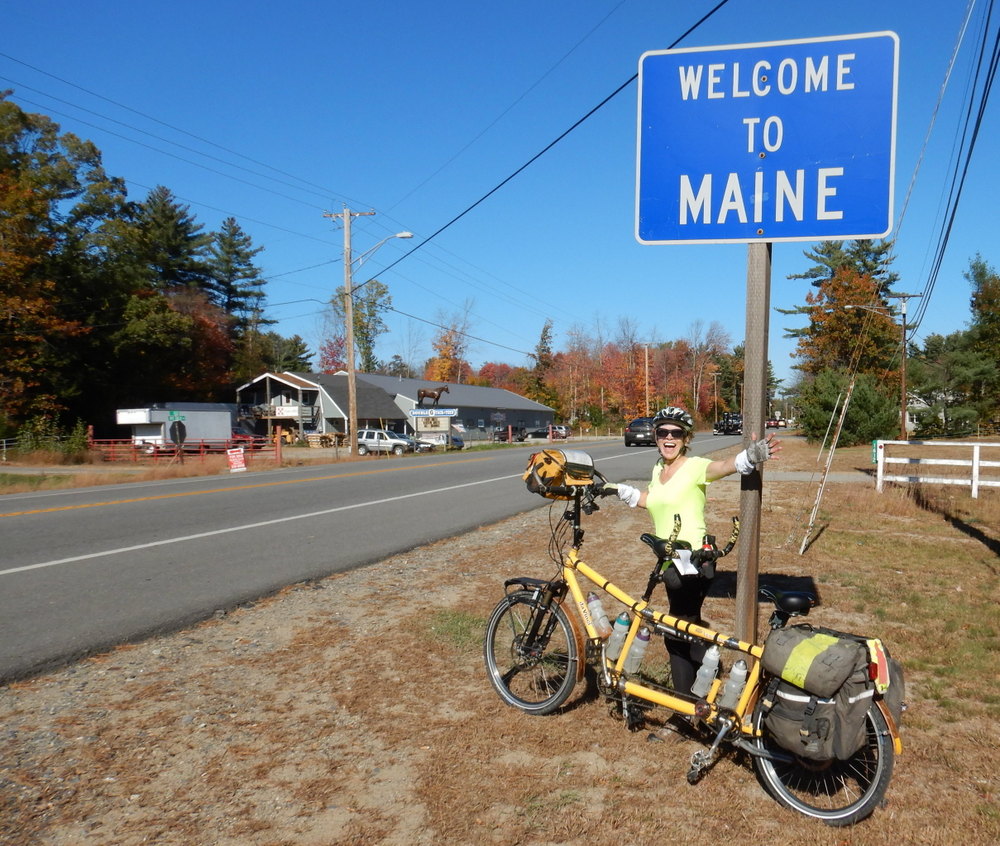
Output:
x,y
673,414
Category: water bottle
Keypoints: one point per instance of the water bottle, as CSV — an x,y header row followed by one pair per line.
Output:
x,y
706,673
598,615
636,651
734,685
618,634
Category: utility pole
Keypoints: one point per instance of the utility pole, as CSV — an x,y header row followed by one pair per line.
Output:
x,y
647,377
352,382
903,298
754,397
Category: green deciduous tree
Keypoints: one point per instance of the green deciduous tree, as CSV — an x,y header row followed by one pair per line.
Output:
x,y
949,377
58,210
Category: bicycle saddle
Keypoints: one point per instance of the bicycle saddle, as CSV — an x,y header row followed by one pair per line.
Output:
x,y
791,601
662,546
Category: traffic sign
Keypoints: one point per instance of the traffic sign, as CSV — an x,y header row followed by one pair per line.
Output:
x,y
178,433
776,141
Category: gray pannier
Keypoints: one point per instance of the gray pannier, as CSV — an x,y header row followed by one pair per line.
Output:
x,y
816,705
816,727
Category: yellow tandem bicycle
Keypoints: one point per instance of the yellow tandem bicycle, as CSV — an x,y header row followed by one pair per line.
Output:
x,y
542,636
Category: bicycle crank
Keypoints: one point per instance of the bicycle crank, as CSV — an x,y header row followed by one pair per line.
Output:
x,y
704,758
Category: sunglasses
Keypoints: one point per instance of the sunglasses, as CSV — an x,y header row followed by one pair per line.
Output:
x,y
673,434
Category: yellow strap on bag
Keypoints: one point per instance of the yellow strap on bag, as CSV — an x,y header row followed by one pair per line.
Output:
x,y
816,661
802,656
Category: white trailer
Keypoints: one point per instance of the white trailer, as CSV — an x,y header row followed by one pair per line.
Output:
x,y
166,427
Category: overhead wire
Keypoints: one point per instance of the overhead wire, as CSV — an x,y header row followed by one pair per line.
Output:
x,y
169,125
975,112
425,241
20,85
551,144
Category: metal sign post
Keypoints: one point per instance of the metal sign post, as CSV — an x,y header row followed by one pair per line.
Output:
x,y
756,143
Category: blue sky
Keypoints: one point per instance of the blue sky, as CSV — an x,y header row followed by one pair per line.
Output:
x,y
278,113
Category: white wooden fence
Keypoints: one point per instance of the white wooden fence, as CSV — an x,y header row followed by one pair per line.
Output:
x,y
919,454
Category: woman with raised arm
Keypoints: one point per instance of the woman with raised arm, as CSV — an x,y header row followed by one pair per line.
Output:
x,y
679,485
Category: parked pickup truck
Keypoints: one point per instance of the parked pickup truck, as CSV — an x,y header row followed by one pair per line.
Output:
x,y
381,440
516,433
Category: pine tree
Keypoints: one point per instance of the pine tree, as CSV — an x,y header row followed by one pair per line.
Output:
x,y
238,286
170,245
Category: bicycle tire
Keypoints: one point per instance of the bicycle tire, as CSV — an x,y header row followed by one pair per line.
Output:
x,y
539,679
838,793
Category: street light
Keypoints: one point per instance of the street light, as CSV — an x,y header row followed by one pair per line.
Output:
x,y
349,289
902,378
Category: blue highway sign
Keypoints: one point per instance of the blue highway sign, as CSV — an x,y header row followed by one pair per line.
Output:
x,y
778,141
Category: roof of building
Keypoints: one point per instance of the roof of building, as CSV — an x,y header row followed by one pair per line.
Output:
x,y
462,396
372,401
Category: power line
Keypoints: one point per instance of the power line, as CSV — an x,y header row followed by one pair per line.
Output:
x,y
169,125
551,144
970,131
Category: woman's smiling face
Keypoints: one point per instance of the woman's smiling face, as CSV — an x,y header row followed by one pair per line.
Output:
x,y
670,440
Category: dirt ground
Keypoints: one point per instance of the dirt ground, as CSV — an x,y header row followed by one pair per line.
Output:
x,y
356,710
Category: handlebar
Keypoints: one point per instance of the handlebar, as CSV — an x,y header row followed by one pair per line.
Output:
x,y
709,553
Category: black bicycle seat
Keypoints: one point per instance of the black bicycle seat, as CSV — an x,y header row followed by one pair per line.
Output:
x,y
790,601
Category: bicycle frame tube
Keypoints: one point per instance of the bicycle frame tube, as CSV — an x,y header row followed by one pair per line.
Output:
x,y
644,614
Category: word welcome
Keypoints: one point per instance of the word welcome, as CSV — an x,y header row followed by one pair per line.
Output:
x,y
724,79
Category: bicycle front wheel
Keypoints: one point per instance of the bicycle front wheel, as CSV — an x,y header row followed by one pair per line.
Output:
x,y
534,673
837,792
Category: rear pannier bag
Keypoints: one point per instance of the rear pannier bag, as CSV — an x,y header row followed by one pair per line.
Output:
x,y
813,660
816,727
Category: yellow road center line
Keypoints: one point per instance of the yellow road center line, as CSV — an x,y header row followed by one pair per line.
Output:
x,y
152,498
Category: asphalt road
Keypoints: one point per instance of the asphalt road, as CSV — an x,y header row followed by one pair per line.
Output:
x,y
83,570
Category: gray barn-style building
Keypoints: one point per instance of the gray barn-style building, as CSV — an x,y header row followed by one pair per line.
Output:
x,y
317,402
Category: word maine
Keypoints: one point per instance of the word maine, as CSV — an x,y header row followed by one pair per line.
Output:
x,y
726,79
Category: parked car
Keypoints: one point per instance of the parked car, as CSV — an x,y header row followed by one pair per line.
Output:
x,y
640,432
773,423
730,424
562,430
380,440
242,438
544,434
517,433
419,445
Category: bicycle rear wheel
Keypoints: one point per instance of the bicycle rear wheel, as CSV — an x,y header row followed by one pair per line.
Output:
x,y
837,792
536,677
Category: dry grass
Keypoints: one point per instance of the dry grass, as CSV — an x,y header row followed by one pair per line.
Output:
x,y
357,711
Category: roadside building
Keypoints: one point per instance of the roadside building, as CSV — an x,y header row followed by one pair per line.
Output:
x,y
317,402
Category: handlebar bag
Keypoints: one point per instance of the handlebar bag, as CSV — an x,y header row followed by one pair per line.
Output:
x,y
552,473
818,662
